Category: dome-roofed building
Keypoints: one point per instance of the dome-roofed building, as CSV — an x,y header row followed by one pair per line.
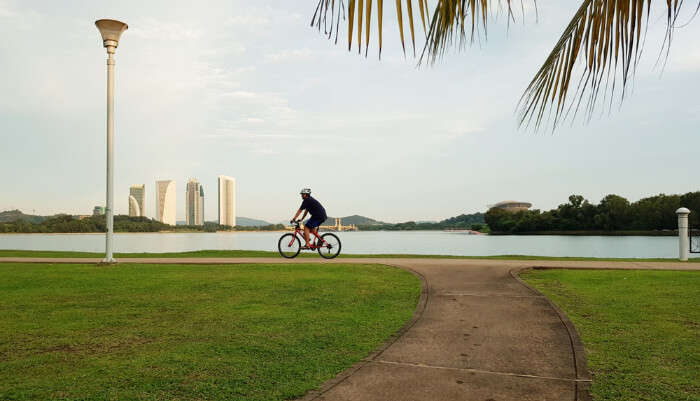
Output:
x,y
512,206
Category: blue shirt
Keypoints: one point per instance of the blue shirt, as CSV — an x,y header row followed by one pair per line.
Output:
x,y
314,208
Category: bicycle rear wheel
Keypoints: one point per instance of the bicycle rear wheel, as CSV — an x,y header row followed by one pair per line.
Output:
x,y
289,246
331,246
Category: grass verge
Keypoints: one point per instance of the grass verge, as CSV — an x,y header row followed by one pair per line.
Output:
x,y
262,254
640,329
177,332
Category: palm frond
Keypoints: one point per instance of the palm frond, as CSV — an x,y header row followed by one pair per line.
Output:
x,y
604,39
452,21
460,22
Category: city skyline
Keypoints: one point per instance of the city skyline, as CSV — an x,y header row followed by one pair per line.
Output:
x,y
385,139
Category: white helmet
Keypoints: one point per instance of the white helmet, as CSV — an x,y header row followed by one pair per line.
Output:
x,y
306,191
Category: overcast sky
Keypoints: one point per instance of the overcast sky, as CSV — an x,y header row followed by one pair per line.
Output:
x,y
248,89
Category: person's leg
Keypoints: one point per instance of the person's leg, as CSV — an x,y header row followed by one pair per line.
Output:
x,y
307,231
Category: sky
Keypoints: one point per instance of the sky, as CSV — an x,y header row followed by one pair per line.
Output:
x,y
250,90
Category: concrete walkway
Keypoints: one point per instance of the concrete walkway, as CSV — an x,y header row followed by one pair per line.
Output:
x,y
479,333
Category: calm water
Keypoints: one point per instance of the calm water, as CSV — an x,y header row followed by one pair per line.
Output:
x,y
410,242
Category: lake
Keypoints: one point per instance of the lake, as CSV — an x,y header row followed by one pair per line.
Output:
x,y
364,242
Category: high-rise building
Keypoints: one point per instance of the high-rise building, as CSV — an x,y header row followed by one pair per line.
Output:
x,y
134,209
194,207
137,200
165,202
227,201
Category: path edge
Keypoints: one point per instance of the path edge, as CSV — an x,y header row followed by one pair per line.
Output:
x,y
347,373
583,377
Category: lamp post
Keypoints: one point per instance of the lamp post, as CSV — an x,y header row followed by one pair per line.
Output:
x,y
110,30
683,233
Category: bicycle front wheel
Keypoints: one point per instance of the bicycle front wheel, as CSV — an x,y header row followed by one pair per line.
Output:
x,y
330,247
289,246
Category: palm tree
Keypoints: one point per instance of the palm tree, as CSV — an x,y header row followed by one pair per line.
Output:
x,y
605,36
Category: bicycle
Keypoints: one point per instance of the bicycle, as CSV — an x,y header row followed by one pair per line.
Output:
x,y
327,245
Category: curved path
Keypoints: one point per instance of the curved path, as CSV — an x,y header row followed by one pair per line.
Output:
x,y
482,335
479,333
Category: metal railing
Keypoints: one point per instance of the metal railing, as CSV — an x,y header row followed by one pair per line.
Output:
x,y
694,240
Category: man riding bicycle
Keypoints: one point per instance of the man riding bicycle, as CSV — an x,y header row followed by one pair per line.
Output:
x,y
317,212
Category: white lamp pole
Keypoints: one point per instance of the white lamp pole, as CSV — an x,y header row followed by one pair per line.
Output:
x,y
111,31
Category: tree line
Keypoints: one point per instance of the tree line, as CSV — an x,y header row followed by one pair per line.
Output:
x,y
98,224
613,213
473,221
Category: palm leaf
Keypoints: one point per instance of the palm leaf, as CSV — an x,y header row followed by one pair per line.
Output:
x,y
449,21
604,40
457,23
602,45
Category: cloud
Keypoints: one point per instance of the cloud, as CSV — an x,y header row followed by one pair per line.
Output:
x,y
686,59
289,55
5,11
23,19
247,21
153,29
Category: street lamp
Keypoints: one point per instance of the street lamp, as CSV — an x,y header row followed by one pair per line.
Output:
x,y
110,30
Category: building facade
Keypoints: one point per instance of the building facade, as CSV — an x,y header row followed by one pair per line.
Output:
x,y
137,200
227,201
98,211
134,209
194,205
513,206
165,202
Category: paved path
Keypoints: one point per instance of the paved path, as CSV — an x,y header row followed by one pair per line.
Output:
x,y
479,333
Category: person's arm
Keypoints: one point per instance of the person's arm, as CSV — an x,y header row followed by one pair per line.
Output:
x,y
297,215
303,208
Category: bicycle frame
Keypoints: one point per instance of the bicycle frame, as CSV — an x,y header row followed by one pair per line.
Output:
x,y
299,232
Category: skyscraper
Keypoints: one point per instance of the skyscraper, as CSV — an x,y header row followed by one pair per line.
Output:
x,y
227,201
194,207
165,202
134,209
137,200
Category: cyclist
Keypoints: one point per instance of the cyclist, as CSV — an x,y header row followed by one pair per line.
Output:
x,y
317,212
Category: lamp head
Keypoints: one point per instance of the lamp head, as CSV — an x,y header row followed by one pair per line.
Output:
x,y
111,30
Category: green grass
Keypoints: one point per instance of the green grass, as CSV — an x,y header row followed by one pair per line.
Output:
x,y
183,332
261,254
641,329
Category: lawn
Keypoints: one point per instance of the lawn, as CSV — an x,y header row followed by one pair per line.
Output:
x,y
183,332
641,329
257,254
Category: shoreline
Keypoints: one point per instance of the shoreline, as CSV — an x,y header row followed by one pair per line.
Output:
x,y
156,232
213,255
630,233
667,233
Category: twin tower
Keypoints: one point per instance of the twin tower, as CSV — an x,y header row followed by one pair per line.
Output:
x,y
194,202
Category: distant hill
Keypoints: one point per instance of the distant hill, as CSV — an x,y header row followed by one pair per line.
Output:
x,y
15,215
473,221
354,219
465,220
248,222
